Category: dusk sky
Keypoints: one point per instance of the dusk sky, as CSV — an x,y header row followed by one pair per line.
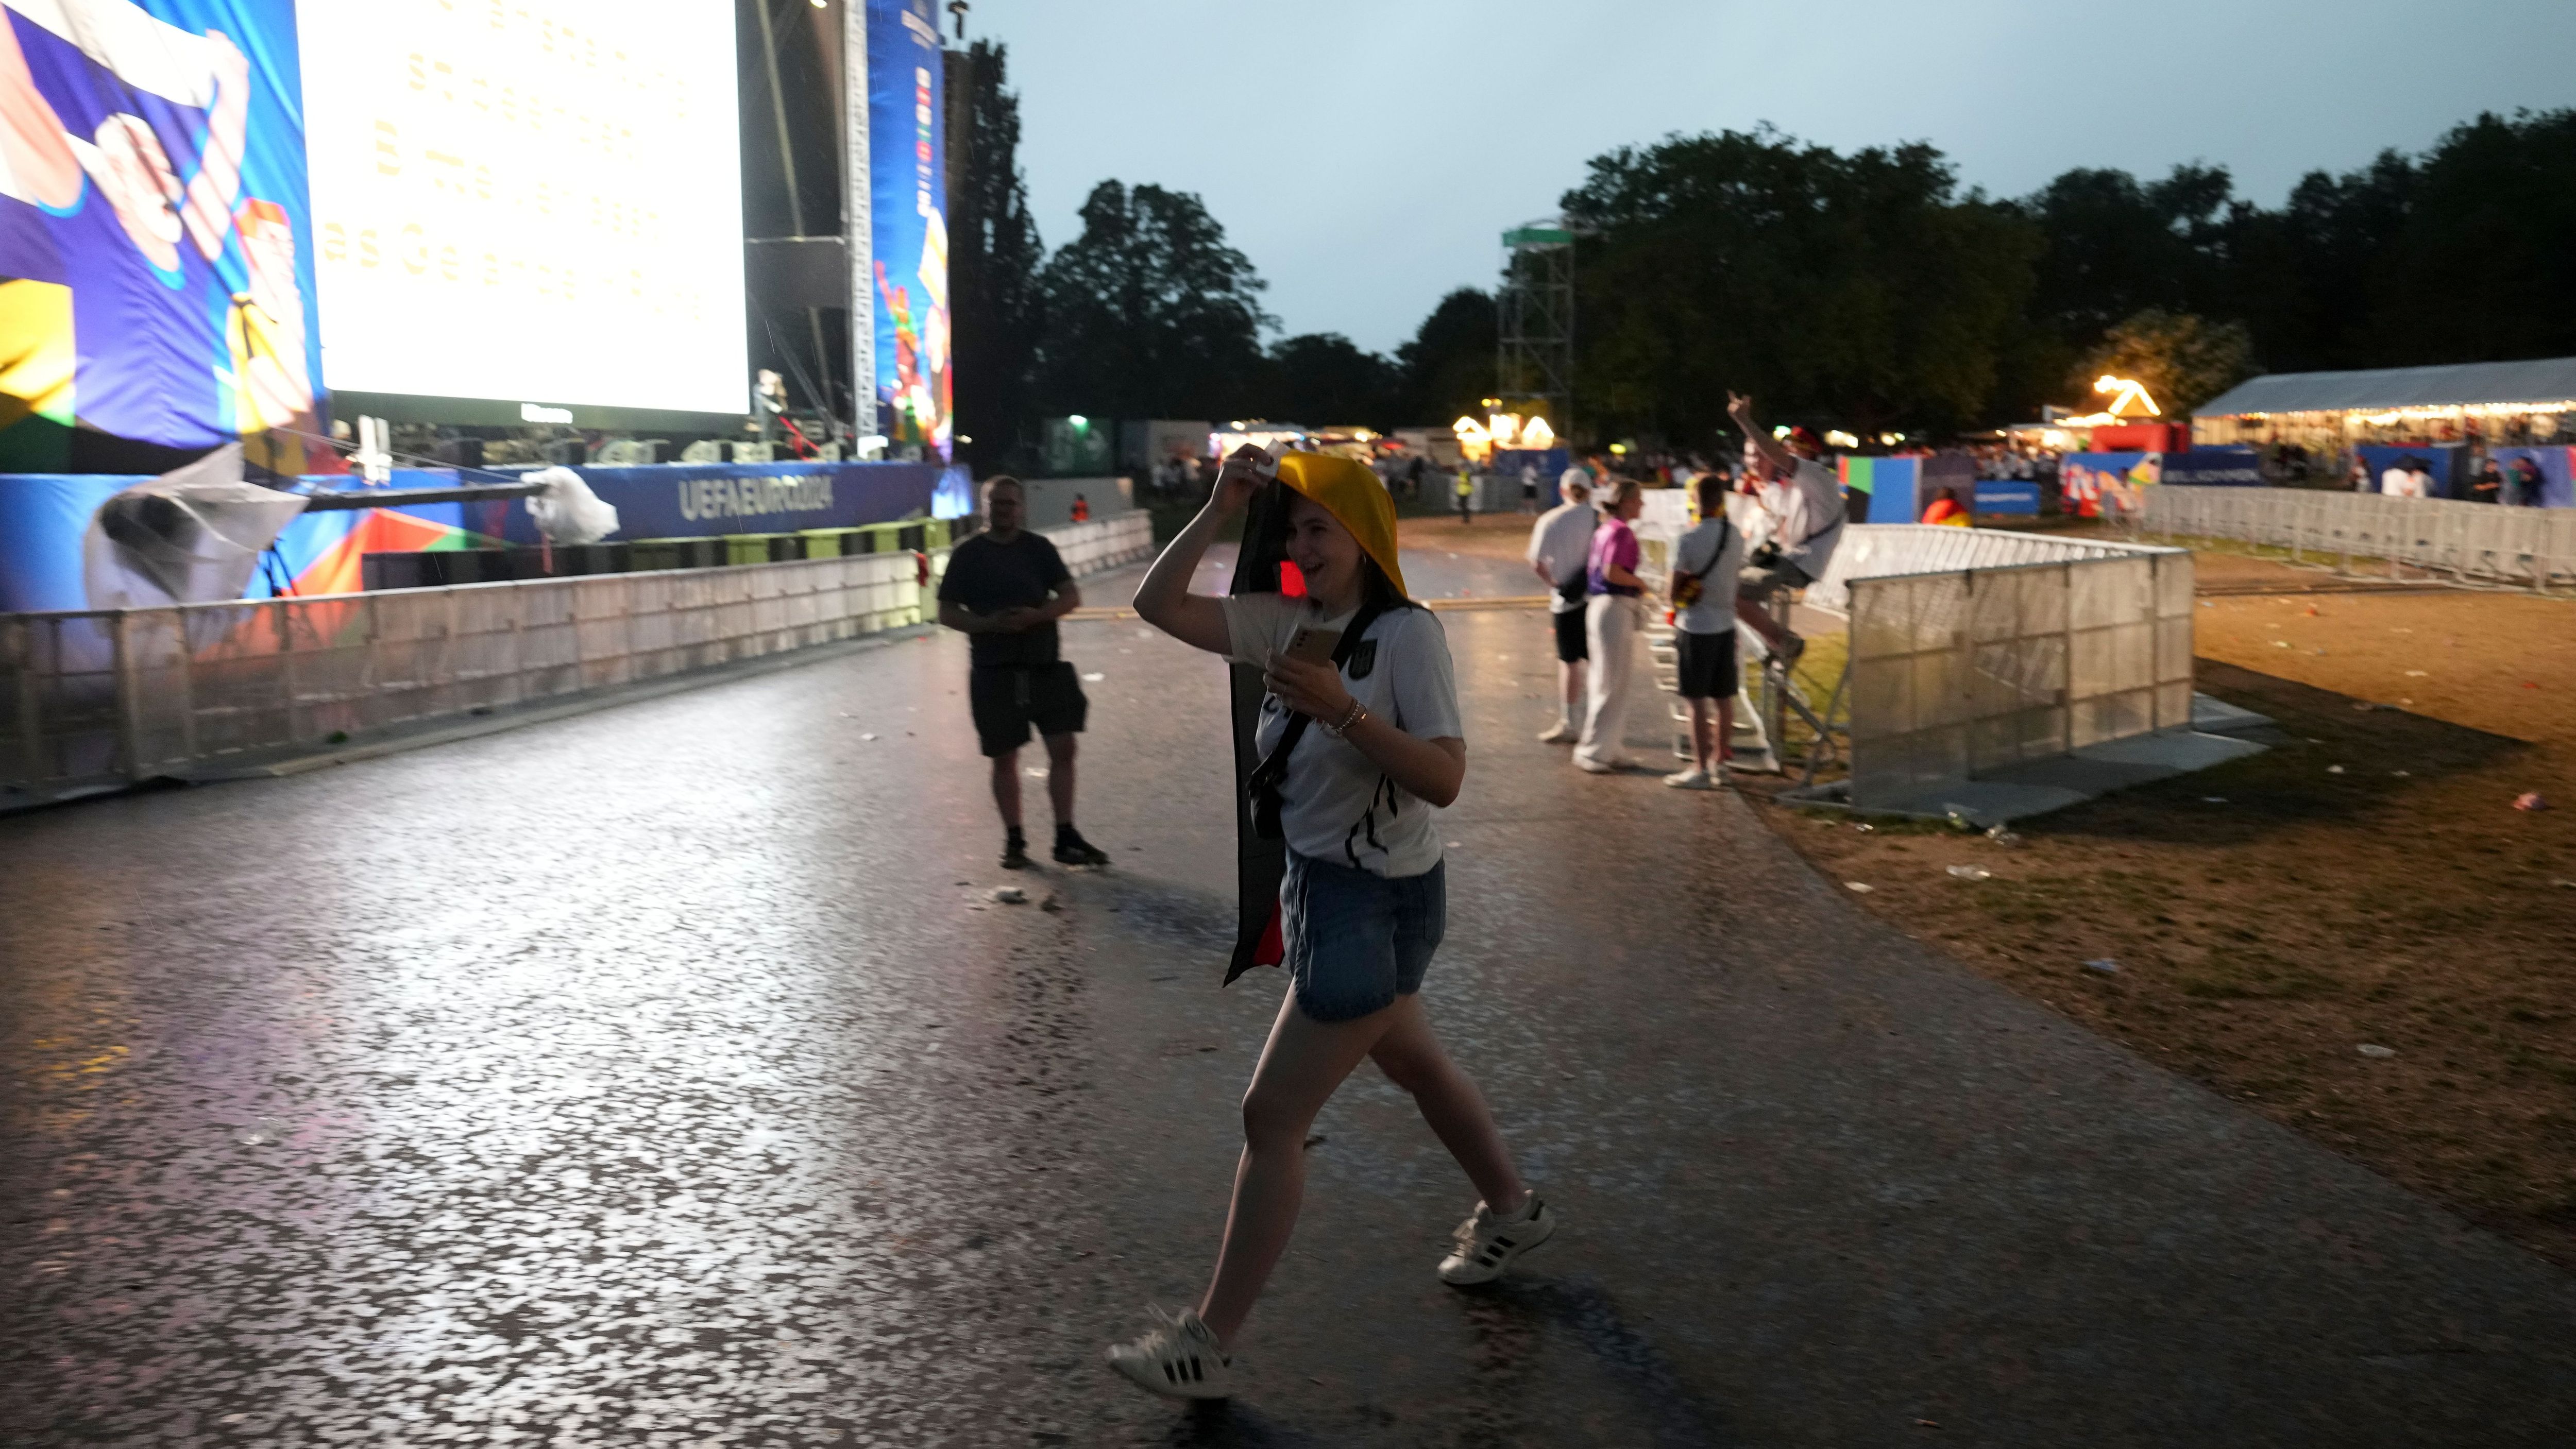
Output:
x,y
1367,156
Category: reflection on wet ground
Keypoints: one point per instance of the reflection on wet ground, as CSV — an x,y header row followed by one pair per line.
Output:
x,y
667,1075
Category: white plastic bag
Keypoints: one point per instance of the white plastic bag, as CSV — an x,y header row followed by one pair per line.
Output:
x,y
567,512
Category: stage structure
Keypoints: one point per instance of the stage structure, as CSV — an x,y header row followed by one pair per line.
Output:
x,y
528,213
1534,316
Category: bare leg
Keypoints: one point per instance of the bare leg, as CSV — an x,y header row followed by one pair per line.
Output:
x,y
1570,678
1704,738
1722,744
1300,1068
1752,610
1006,788
1059,750
1412,1059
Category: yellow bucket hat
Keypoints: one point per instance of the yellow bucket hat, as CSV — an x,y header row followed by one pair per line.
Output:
x,y
1352,494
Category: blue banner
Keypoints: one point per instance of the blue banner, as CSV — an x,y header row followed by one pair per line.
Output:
x,y
2215,467
2008,496
2537,477
709,500
155,234
908,227
2440,460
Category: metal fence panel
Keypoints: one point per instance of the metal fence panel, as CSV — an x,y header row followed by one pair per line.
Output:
x,y
1960,671
90,699
2533,546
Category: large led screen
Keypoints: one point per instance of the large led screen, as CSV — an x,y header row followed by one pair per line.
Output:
x,y
534,201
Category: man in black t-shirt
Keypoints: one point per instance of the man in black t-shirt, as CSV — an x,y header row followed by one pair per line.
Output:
x,y
1004,590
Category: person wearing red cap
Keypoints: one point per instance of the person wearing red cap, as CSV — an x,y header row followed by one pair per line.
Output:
x,y
1365,899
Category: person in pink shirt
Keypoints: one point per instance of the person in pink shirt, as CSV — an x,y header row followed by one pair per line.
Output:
x,y
1614,613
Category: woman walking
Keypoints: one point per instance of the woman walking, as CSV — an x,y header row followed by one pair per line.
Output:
x,y
1362,710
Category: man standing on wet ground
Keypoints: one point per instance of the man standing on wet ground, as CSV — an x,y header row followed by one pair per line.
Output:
x,y
1004,590
1560,548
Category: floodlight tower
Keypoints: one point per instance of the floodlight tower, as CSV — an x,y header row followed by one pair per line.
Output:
x,y
1534,317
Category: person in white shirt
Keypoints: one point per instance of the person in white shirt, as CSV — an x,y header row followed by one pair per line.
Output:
x,y
2396,482
2419,478
1559,547
1706,562
1805,501
1365,732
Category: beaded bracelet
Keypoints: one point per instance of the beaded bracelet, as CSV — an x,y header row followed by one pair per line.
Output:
x,y
1349,722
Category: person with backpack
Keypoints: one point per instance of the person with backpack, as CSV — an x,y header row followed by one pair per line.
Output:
x,y
1360,741
1703,622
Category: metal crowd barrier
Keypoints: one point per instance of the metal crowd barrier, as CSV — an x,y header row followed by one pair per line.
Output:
x,y
2535,547
1973,649
93,700
1960,673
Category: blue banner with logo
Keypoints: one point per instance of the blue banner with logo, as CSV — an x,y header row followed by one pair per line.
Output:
x,y
908,226
2231,467
156,256
709,500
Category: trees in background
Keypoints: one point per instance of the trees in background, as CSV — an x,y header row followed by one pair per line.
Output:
x,y
993,258
1862,288
2184,360
1149,313
2454,256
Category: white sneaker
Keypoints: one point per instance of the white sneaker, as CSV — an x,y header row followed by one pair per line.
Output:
x,y
1488,1244
1179,1357
1559,733
1595,765
1693,778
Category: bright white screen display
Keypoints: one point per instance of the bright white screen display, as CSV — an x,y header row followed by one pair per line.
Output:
x,y
529,200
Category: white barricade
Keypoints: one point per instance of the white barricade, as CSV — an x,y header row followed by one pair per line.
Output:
x,y
2533,546
89,700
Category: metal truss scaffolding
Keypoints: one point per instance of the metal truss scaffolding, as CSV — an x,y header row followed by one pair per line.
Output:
x,y
1534,348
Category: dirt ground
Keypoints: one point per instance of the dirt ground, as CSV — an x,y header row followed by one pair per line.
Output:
x,y
2367,882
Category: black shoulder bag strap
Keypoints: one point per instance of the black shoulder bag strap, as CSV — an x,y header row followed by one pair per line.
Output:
x,y
1262,788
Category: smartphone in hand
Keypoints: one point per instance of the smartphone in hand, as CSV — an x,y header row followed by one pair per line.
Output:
x,y
1313,645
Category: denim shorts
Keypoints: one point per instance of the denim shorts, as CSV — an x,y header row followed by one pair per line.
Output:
x,y
1357,941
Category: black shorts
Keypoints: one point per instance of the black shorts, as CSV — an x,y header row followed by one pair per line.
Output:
x,y
1707,665
1571,647
1007,701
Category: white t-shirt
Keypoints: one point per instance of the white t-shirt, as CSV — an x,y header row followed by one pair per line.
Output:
x,y
1337,805
1714,613
1562,540
1811,517
2397,483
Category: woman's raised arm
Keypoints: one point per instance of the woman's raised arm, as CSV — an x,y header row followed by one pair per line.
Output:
x,y
1164,600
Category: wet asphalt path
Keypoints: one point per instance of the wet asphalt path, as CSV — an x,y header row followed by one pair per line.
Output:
x,y
664,1076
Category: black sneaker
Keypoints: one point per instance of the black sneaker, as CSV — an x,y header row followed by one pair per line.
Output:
x,y
1072,849
1015,852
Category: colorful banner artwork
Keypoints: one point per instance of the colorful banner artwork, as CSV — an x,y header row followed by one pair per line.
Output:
x,y
156,266
908,187
45,517
2098,485
1882,490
